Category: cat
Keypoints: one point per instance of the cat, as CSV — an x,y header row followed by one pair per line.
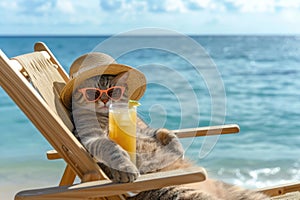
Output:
x,y
157,149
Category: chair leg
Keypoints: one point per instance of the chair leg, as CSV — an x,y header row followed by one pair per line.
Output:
x,y
68,177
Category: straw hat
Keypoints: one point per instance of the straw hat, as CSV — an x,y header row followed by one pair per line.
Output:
x,y
95,63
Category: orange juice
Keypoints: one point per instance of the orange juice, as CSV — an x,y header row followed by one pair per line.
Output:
x,y
122,127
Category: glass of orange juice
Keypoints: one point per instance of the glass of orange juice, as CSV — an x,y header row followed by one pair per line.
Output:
x,y
122,127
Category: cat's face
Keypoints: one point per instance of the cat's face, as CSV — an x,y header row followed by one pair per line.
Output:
x,y
100,91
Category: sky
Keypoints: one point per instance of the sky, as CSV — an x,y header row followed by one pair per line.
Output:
x,y
104,17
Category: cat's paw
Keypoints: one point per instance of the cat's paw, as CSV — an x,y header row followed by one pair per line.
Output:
x,y
165,136
170,141
124,173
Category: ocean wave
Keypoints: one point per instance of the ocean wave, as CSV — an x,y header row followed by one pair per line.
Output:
x,y
256,174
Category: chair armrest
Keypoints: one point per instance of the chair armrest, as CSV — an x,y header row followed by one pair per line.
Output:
x,y
105,188
207,131
280,189
53,155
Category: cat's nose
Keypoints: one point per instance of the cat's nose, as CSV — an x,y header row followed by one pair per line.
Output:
x,y
104,98
104,101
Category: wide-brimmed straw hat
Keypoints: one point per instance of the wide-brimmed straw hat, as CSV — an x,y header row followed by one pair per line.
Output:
x,y
95,63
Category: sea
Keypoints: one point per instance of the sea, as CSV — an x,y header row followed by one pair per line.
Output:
x,y
193,81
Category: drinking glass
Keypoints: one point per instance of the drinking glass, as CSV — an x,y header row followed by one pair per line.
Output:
x,y
122,127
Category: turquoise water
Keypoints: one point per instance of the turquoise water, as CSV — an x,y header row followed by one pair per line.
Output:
x,y
253,81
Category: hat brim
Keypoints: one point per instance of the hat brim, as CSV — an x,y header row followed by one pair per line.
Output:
x,y
136,81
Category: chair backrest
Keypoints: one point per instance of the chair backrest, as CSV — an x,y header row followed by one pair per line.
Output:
x,y
43,107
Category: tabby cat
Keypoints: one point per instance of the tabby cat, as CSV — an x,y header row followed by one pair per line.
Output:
x,y
157,149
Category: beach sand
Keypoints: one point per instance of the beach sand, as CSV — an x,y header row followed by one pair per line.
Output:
x,y
16,177
10,189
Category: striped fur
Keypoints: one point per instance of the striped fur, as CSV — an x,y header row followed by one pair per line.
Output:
x,y
157,150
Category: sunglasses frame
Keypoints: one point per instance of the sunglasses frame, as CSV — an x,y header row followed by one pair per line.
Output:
x,y
83,91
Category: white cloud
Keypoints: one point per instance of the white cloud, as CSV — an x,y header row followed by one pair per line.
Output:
x,y
264,6
65,6
202,3
190,16
182,6
254,5
291,16
205,4
290,4
175,5
8,5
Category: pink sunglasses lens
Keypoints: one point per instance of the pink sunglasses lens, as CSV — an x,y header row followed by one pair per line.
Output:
x,y
115,93
92,94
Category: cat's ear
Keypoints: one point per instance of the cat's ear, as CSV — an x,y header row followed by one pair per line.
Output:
x,y
121,78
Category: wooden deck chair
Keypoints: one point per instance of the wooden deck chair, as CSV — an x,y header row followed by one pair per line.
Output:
x,y
36,91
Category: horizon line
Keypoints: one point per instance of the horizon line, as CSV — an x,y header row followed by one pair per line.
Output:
x,y
150,35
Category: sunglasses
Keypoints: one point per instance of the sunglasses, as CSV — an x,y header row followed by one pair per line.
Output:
x,y
94,94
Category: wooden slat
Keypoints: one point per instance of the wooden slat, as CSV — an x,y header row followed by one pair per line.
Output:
x,y
99,189
40,46
53,155
281,189
207,131
68,177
